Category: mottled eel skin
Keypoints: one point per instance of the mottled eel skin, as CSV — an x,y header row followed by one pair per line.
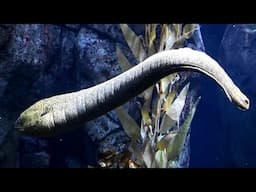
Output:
x,y
62,113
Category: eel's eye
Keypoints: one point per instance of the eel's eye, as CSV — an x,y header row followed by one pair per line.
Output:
x,y
44,113
46,110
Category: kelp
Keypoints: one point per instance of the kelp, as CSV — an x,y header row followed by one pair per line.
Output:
x,y
174,150
173,112
135,42
159,140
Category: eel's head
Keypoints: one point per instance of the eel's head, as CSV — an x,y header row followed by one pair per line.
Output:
x,y
35,119
241,101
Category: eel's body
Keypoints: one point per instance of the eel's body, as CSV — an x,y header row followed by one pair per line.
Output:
x,y
60,113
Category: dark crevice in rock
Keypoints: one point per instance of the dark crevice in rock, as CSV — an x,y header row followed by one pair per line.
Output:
x,y
5,35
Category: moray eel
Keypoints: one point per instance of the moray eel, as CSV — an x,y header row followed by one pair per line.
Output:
x,y
61,113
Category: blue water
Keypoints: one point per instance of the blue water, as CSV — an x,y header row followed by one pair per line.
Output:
x,y
222,136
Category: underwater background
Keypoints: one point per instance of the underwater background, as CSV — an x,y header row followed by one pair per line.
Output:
x,y
42,60
222,135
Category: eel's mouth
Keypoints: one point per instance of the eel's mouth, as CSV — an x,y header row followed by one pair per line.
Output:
x,y
239,99
243,105
19,125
